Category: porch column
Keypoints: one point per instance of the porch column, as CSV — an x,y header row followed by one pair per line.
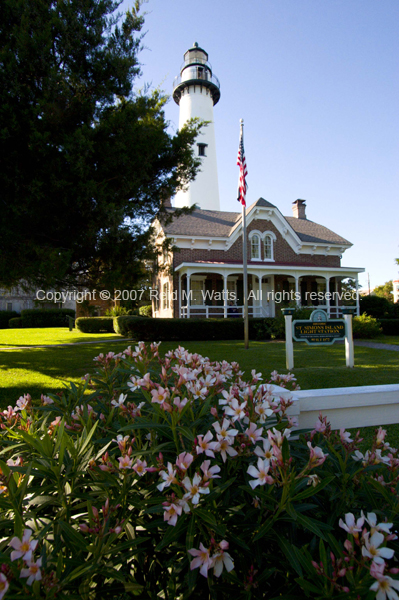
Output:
x,y
179,314
225,296
188,296
297,293
336,297
260,277
327,296
357,296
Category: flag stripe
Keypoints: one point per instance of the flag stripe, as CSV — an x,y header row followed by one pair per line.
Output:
x,y
241,162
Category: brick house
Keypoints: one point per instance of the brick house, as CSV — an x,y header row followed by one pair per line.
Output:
x,y
291,260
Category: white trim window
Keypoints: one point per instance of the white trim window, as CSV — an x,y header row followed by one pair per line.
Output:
x,y
254,237
268,245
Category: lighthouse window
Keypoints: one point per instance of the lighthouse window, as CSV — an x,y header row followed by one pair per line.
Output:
x,y
201,149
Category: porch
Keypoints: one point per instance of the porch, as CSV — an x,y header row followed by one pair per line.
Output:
x,y
215,291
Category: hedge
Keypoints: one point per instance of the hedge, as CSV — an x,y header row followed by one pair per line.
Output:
x,y
95,324
5,316
146,329
52,317
389,326
15,322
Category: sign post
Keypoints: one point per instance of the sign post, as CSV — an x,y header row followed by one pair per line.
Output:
x,y
289,347
348,312
319,330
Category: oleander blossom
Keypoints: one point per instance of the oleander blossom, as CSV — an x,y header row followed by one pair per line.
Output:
x,y
202,559
4,585
32,571
260,473
23,548
351,525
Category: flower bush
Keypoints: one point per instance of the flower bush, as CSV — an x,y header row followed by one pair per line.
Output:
x,y
177,477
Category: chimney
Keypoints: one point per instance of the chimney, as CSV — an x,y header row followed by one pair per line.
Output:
x,y
298,209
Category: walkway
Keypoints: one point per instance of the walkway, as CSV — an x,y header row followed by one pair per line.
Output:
x,y
377,346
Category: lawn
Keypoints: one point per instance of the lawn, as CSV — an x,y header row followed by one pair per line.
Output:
x,y
53,335
42,370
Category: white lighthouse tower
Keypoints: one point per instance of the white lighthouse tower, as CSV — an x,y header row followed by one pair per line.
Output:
x,y
196,90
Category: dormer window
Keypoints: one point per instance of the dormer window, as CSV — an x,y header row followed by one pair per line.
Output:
x,y
201,149
255,247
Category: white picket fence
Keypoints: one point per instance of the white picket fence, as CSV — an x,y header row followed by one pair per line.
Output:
x,y
347,407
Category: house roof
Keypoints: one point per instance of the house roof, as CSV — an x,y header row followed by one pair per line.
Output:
x,y
214,223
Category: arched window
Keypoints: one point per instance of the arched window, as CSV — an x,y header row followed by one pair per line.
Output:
x,y
255,247
268,243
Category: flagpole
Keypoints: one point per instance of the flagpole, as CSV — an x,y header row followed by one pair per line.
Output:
x,y
244,259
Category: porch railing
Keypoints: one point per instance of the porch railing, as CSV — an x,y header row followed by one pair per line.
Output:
x,y
217,312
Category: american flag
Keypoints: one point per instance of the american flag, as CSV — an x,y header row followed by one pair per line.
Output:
x,y
241,162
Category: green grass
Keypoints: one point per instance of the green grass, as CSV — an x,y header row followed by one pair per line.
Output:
x,y
54,335
41,370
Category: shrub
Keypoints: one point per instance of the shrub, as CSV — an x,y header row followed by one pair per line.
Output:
x,y
52,317
376,307
274,328
5,316
15,323
177,478
142,328
95,324
117,311
389,326
145,311
365,327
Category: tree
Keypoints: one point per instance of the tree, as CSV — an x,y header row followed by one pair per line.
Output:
x,y
84,158
385,291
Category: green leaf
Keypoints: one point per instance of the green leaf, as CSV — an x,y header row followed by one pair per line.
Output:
x,y
312,491
291,552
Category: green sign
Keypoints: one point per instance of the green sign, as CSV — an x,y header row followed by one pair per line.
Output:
x,y
319,329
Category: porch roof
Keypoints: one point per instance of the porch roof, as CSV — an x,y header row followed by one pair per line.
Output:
x,y
266,268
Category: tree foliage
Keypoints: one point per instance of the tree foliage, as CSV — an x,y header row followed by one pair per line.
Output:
x,y
385,290
85,159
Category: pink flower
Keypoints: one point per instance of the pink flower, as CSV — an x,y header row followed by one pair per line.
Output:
x,y
384,587
184,460
253,434
140,467
317,456
372,549
210,473
205,444
33,572
172,511
345,436
23,402
260,473
223,430
168,478
224,447
125,462
4,585
159,395
222,559
266,452
236,410
352,526
23,548
193,489
202,560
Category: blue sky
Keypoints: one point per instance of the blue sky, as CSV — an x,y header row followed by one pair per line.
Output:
x,y
316,82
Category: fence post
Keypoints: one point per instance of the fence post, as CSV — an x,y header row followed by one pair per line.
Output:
x,y
289,347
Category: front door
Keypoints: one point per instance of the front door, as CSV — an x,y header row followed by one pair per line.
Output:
x,y
267,298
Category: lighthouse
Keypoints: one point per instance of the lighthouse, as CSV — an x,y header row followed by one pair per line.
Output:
x,y
196,90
